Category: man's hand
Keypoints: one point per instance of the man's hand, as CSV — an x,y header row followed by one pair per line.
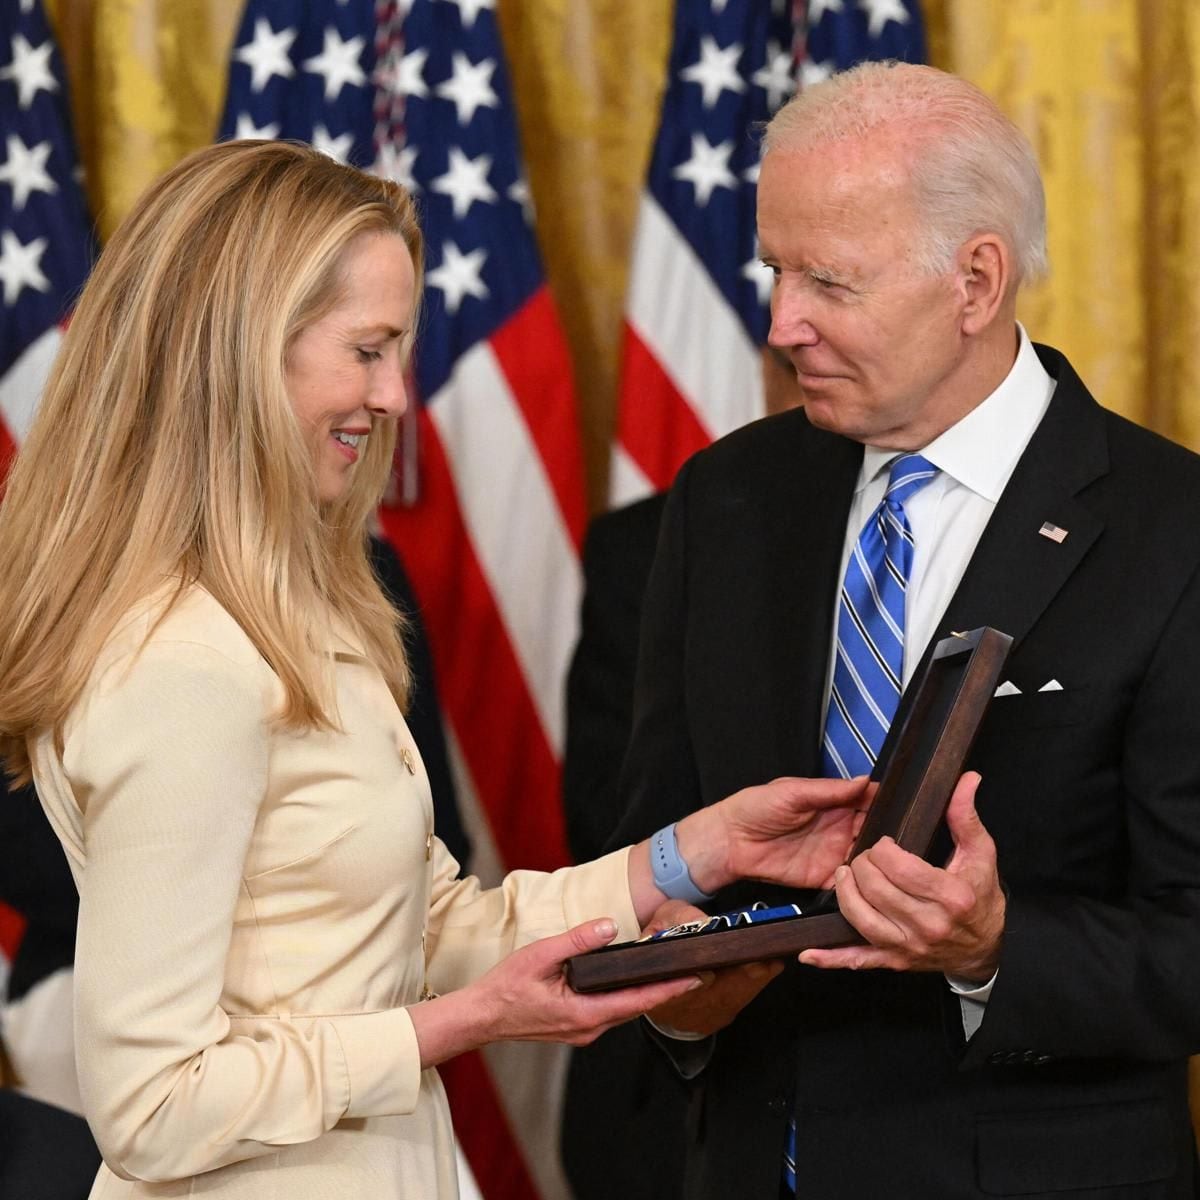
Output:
x,y
918,917
723,994
790,831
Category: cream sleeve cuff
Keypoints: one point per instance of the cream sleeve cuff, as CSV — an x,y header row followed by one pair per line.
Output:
x,y
383,1061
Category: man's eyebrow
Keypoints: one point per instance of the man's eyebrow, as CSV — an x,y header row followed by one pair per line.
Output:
x,y
830,275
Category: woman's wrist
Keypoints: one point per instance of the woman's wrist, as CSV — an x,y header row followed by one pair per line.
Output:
x,y
449,1025
670,871
702,840
700,844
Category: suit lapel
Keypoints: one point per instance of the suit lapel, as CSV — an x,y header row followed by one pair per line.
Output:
x,y
1016,571
808,505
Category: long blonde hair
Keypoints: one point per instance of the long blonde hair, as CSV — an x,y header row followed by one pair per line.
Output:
x,y
165,447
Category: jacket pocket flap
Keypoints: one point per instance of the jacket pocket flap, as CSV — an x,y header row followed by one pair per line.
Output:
x,y
1099,1146
1032,710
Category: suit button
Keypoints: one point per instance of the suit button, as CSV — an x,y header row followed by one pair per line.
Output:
x,y
1040,1060
996,1058
777,1105
1029,1057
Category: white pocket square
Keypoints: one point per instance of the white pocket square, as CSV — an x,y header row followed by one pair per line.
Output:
x,y
1052,686
1008,688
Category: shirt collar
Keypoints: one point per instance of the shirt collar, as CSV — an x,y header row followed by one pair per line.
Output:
x,y
981,450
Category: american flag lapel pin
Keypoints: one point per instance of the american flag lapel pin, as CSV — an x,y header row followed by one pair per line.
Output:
x,y
1054,532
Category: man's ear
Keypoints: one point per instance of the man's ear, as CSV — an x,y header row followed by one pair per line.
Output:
x,y
985,279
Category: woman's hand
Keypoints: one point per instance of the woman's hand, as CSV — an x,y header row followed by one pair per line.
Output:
x,y
526,998
791,831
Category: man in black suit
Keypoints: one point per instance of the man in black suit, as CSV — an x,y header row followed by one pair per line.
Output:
x,y
1019,1021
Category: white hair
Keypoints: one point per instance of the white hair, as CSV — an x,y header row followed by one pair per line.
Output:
x,y
973,171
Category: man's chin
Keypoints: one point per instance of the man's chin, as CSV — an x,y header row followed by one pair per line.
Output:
x,y
824,412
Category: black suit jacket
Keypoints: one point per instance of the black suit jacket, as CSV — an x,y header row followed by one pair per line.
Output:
x,y
617,555
45,1153
36,881
621,1090
424,716
1076,1081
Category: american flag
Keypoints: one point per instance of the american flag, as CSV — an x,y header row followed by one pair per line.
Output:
x,y
45,232
45,245
418,90
696,313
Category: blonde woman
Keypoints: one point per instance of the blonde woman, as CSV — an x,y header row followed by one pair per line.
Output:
x,y
206,683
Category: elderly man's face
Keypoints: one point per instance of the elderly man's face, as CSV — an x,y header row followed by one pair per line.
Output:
x,y
874,342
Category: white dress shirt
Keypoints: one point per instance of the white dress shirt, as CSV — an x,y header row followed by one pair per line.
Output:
x,y
975,459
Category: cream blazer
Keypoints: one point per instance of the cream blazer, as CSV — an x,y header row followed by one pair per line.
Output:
x,y
257,910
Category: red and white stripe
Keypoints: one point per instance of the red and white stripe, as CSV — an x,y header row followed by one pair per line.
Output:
x,y
21,389
690,372
12,929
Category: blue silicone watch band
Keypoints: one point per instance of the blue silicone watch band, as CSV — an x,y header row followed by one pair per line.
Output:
x,y
670,872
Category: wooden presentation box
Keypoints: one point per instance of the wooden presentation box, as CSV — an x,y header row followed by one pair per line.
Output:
x,y
925,761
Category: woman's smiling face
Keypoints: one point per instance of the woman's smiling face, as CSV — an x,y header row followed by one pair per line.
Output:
x,y
345,372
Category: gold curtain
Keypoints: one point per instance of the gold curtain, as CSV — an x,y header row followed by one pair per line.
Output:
x,y
147,84
1107,90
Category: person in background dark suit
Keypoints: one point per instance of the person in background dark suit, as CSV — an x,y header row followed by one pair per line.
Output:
x,y
35,880
46,1152
1018,1022
617,554
622,1075
621,1090
424,716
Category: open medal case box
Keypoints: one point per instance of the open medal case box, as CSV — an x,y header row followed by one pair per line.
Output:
x,y
916,778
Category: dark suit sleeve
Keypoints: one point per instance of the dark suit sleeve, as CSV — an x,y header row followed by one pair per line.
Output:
x,y
617,556
1119,977
36,881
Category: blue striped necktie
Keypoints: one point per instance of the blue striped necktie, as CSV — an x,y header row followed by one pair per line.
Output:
x,y
869,668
